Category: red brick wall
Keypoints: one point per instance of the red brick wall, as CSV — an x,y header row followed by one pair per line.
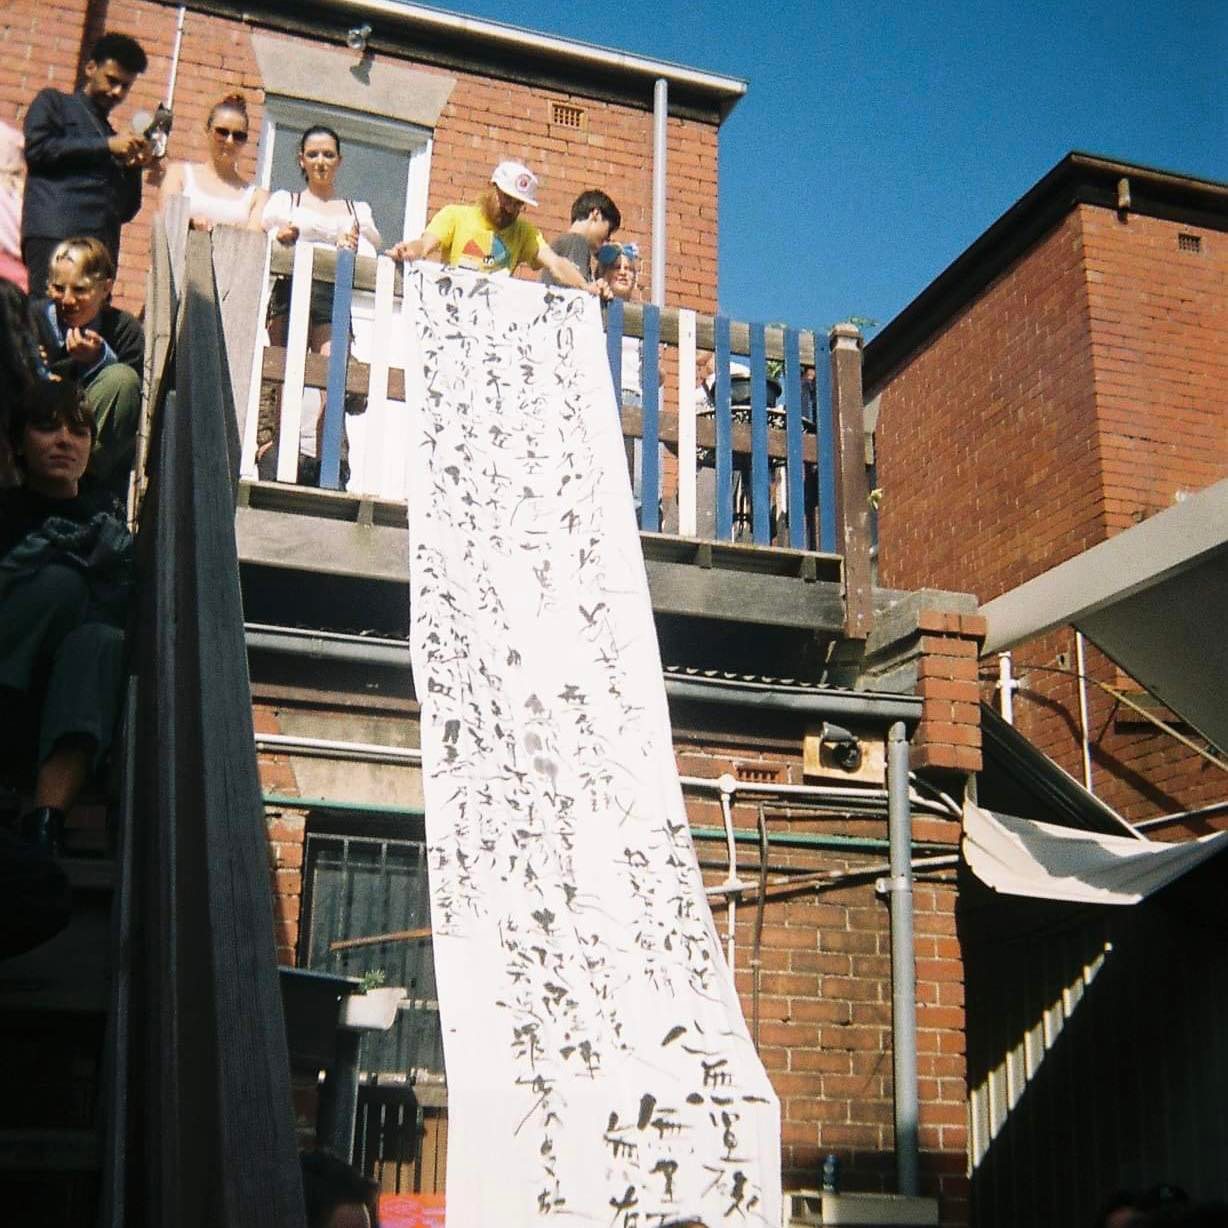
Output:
x,y
485,120
825,981
949,736
287,835
41,45
824,1003
986,442
1136,769
1160,359
1074,397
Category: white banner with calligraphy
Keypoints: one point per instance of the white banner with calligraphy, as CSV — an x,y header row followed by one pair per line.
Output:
x,y
599,1068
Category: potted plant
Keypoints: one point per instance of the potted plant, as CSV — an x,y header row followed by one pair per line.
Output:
x,y
374,1007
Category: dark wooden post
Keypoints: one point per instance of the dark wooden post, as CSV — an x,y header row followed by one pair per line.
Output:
x,y
852,488
208,1123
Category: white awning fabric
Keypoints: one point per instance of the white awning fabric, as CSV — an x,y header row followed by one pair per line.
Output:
x,y
1025,857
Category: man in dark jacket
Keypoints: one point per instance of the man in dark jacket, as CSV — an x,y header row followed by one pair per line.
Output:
x,y
82,178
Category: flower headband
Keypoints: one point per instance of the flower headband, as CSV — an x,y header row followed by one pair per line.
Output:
x,y
607,253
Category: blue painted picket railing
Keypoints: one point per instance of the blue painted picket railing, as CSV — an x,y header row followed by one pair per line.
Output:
x,y
728,488
805,500
338,368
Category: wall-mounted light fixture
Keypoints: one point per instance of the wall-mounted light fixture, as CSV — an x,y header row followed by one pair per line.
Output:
x,y
356,38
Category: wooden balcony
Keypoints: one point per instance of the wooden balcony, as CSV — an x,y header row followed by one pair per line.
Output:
x,y
751,513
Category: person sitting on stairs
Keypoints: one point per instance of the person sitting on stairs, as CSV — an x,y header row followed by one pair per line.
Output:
x,y
65,583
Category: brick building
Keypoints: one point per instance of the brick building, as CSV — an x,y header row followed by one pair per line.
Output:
x,y
815,983
452,104
1062,380
335,713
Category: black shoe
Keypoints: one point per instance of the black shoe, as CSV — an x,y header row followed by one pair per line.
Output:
x,y
35,897
43,827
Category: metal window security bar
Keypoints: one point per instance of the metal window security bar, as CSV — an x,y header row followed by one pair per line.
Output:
x,y
366,886
746,469
401,1137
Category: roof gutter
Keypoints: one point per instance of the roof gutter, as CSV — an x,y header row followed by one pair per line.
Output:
x,y
728,91
875,706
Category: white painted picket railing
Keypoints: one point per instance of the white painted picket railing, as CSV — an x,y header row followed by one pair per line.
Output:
x,y
712,464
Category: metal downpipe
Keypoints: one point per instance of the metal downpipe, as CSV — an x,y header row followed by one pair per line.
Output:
x,y
660,126
903,962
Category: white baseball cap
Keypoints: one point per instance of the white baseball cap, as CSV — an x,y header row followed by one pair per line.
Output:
x,y
516,180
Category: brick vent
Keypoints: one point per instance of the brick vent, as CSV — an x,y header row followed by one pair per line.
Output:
x,y
757,775
566,116
1189,243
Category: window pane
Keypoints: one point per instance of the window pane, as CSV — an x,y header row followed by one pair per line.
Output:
x,y
368,172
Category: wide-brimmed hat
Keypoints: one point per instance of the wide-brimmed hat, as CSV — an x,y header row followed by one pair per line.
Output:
x,y
515,179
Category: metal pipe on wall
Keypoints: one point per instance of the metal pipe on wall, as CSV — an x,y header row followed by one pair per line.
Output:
x,y
660,129
1085,742
903,962
175,52
373,752
732,883
1006,688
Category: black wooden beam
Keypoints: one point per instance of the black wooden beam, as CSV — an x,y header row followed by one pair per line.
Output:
x,y
211,1127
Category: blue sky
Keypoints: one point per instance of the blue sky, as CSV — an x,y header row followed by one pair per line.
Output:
x,y
878,139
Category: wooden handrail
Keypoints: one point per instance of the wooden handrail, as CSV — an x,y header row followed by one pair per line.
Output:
x,y
358,382
324,269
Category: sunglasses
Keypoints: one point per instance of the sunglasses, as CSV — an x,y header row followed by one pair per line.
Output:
x,y
238,135
607,253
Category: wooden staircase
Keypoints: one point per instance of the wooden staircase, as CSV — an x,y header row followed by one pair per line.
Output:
x,y
144,1068
55,1004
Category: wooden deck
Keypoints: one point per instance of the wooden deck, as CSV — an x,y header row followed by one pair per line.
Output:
x,y
324,532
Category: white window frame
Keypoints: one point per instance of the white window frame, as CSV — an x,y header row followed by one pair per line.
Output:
x,y
417,141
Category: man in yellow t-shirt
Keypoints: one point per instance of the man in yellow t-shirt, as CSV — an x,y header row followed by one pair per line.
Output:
x,y
491,236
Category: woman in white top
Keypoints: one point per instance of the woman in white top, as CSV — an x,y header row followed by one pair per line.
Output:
x,y
316,215
217,193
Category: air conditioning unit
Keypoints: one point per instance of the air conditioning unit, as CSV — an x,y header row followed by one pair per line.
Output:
x,y
818,1207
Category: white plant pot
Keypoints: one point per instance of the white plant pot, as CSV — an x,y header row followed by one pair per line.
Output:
x,y
373,1011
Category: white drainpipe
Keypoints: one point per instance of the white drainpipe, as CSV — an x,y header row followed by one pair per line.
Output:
x,y
660,128
1006,688
174,74
1084,734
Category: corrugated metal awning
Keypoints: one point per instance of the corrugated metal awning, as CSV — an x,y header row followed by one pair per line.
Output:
x,y
1043,861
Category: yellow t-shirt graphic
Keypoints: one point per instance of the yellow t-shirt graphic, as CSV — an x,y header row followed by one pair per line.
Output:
x,y
467,239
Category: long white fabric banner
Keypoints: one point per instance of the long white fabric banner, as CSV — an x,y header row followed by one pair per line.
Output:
x,y
599,1068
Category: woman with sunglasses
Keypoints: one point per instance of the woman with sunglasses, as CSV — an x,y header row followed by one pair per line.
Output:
x,y
218,194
